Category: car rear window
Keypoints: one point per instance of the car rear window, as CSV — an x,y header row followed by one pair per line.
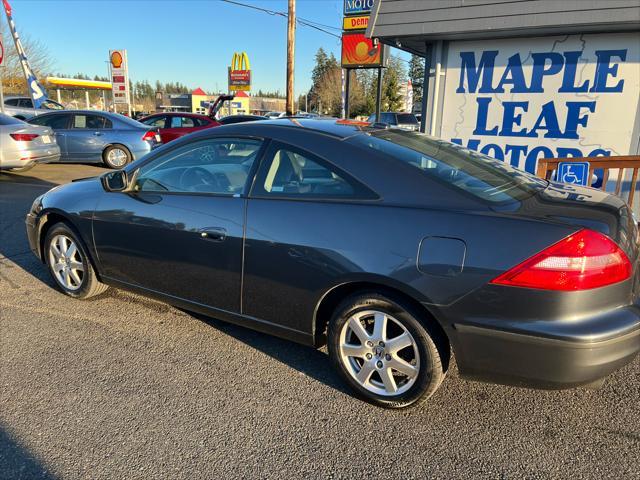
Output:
x,y
7,120
389,118
407,118
477,174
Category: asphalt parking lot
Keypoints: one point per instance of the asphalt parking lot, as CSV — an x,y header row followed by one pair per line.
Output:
x,y
127,387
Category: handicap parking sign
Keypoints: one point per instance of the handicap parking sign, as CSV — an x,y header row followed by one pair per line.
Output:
x,y
576,173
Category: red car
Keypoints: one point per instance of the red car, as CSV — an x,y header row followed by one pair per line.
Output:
x,y
176,124
173,125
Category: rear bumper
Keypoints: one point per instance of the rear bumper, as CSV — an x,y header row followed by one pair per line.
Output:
x,y
52,158
548,355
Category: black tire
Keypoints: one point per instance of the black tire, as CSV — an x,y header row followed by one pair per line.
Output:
x,y
112,148
89,285
432,350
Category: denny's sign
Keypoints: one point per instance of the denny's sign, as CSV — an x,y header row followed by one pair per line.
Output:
x,y
355,23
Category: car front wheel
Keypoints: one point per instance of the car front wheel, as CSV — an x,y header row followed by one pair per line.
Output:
x,y
69,263
384,352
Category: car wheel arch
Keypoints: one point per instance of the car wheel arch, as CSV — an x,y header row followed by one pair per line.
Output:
x,y
115,144
333,297
54,217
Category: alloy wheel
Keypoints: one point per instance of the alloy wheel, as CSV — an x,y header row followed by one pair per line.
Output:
x,y
379,353
65,261
117,157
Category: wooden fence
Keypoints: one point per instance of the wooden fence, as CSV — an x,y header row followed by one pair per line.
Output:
x,y
547,165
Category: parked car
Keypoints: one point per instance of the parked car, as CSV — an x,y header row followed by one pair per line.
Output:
x,y
229,119
23,145
22,107
95,136
172,125
423,250
408,121
272,115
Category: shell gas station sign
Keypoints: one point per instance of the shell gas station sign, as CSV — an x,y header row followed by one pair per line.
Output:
x,y
119,76
240,73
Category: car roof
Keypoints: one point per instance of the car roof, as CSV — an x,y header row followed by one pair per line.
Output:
x,y
177,114
329,126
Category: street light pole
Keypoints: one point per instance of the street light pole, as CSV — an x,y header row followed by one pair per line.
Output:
x,y
291,47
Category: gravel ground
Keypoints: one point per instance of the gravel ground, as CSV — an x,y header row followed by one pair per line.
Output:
x,y
126,387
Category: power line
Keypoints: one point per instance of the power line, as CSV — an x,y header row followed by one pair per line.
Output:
x,y
301,21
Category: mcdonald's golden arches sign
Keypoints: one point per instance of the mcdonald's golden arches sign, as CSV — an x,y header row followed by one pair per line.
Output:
x,y
240,73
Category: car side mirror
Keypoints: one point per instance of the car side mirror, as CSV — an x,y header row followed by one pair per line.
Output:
x,y
116,181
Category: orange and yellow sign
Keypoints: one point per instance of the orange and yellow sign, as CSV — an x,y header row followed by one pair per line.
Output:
x,y
359,51
116,59
355,23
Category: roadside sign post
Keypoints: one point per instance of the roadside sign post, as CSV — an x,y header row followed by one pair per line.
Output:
x,y
357,50
575,173
119,72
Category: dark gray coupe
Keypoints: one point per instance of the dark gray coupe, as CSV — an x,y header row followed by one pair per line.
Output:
x,y
397,249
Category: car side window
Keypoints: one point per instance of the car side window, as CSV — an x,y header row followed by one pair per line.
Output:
x,y
181,122
12,102
200,122
93,122
187,122
292,172
158,122
57,122
218,166
25,103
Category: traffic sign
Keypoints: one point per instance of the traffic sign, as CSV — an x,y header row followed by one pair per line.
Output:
x,y
576,173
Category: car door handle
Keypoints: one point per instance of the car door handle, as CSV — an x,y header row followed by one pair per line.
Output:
x,y
97,134
214,234
58,134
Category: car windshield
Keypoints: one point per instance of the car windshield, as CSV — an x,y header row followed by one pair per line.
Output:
x,y
480,175
51,105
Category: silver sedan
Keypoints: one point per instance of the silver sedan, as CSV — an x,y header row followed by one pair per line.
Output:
x,y
95,136
23,145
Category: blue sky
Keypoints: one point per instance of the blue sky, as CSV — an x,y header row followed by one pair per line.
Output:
x,y
191,41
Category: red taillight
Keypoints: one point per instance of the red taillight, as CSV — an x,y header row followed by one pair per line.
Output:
x,y
149,136
24,137
584,260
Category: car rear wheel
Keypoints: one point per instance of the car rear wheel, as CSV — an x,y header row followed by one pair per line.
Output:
x,y
116,156
384,352
69,263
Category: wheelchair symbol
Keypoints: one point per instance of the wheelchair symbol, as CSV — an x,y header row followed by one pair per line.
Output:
x,y
570,177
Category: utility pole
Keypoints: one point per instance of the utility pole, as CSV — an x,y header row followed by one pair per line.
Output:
x,y
291,48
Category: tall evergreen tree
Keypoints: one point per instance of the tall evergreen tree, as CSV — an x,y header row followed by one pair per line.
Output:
x,y
416,75
394,75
